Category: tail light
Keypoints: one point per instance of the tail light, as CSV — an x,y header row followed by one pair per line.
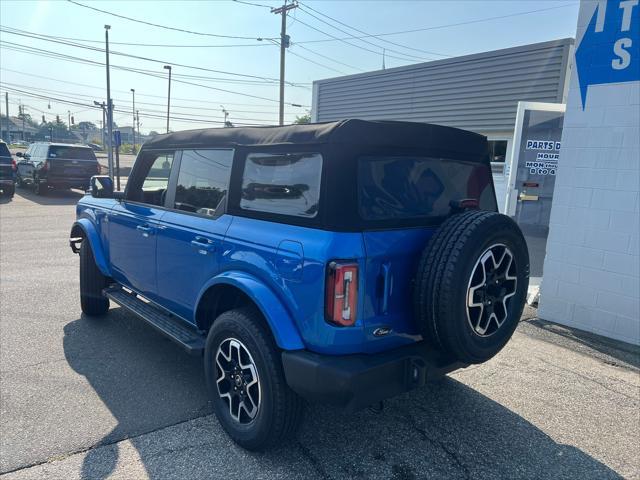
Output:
x,y
45,165
14,166
342,293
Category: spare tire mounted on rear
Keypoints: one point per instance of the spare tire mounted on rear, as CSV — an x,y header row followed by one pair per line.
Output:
x,y
471,285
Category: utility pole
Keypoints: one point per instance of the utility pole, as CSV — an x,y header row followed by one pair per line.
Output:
x,y
284,44
226,115
103,123
109,106
21,107
6,111
138,122
133,125
168,67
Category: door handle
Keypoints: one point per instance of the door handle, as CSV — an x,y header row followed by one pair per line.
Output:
x,y
204,245
145,229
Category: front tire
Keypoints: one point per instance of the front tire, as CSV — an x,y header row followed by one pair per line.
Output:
x,y
92,282
244,375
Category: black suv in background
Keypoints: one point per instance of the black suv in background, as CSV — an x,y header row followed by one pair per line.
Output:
x,y
7,171
57,165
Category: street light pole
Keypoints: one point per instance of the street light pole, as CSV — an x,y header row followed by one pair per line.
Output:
x,y
109,106
133,125
168,67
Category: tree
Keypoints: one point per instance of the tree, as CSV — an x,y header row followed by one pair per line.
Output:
x,y
88,126
302,119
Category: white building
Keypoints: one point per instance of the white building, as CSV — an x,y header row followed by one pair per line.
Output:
x,y
592,268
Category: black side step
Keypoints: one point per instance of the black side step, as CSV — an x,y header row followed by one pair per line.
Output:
x,y
170,325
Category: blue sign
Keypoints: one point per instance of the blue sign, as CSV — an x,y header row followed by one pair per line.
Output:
x,y
610,48
117,139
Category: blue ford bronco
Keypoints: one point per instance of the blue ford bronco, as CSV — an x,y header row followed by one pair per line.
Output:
x,y
342,262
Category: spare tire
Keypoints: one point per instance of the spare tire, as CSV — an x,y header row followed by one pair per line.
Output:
x,y
471,285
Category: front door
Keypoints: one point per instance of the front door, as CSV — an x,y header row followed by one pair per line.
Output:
x,y
190,242
134,223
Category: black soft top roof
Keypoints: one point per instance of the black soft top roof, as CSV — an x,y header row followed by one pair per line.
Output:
x,y
381,133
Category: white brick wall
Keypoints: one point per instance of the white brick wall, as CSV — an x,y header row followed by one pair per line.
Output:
x,y
592,268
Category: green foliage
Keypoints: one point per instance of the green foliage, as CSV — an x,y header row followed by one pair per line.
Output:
x,y
303,119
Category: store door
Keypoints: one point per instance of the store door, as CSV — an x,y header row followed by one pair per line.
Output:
x,y
532,174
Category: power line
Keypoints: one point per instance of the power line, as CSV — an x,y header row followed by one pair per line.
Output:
x,y
437,27
428,52
24,33
328,58
346,41
76,96
92,107
165,26
50,54
409,56
197,100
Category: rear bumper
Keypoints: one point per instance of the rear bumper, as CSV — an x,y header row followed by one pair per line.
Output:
x,y
357,381
54,181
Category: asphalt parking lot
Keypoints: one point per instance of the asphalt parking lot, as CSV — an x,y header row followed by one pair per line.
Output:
x,y
98,398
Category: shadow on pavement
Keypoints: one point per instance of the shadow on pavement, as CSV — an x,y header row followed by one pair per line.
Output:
x,y
446,430
51,197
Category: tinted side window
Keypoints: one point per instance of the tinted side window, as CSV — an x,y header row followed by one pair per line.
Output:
x,y
151,178
4,150
286,184
203,180
415,187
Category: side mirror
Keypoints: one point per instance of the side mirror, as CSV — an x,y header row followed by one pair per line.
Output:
x,y
101,186
19,154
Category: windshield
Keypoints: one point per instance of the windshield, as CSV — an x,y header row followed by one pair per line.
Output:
x,y
416,187
72,153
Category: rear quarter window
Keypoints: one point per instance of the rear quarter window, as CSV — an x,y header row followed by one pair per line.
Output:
x,y
418,187
5,154
285,184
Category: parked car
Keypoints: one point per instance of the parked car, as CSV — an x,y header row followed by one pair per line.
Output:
x,y
7,171
343,262
95,147
56,165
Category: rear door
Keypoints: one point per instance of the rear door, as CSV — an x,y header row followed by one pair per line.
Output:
x,y
72,162
191,236
404,198
134,223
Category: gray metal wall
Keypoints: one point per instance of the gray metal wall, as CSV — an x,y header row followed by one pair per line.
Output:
x,y
477,92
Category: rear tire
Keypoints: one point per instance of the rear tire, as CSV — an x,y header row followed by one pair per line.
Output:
x,y
39,187
92,282
471,285
260,381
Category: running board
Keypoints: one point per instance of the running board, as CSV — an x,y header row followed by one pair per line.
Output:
x,y
170,325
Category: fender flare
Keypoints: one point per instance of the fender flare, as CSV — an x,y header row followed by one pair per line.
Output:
x,y
91,234
280,322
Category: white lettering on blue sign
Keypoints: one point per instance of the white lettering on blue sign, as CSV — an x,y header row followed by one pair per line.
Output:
x,y
609,51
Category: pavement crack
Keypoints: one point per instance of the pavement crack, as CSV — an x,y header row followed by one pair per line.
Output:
x,y
97,445
450,452
313,460
589,379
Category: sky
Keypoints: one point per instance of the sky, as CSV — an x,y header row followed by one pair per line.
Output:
x,y
211,71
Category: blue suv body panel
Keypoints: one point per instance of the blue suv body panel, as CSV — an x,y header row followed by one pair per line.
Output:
x,y
269,212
